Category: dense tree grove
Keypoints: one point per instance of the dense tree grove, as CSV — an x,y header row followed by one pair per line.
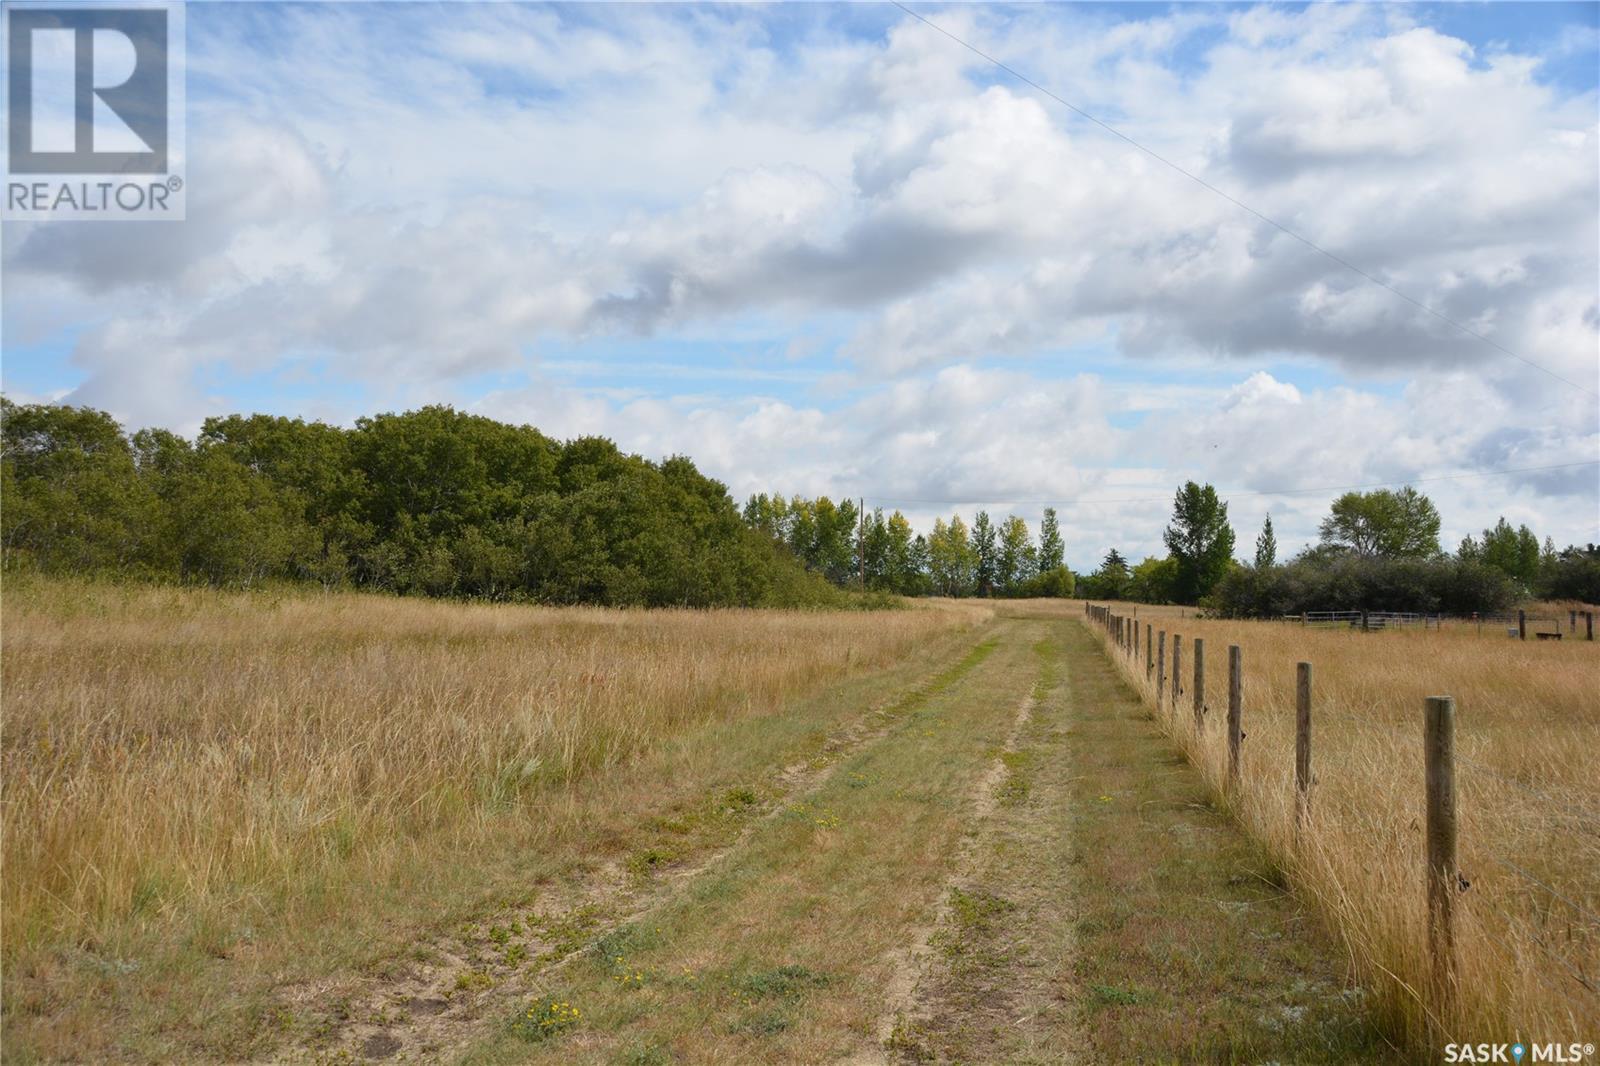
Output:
x,y
954,559
1436,584
1378,551
433,501
439,502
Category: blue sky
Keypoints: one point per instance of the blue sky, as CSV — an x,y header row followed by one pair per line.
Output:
x,y
825,249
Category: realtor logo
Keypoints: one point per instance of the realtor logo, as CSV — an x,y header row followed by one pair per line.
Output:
x,y
94,111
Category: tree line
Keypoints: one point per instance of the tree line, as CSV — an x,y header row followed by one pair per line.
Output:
x,y
433,502
1377,550
439,502
881,553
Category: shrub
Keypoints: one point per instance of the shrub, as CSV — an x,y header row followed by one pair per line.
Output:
x,y
1353,583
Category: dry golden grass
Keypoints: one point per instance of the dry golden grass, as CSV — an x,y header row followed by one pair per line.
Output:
x,y
172,754
1528,780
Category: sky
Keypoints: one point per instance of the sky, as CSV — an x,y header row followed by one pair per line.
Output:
x,y
828,249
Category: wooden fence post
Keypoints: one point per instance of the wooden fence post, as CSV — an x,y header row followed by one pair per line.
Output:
x,y
1177,671
1235,713
1161,667
1135,641
1199,685
1588,624
1572,622
1522,625
1302,744
1149,649
1439,754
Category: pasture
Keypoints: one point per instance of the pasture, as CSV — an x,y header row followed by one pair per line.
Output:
x,y
1528,799
306,827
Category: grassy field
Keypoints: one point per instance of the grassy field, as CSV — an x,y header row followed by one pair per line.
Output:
x,y
210,795
306,828
1528,777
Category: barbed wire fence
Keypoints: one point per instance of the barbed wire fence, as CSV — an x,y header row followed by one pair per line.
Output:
x,y
1447,885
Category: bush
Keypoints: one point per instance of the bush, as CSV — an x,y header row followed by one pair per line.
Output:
x,y
1358,583
1057,582
1572,575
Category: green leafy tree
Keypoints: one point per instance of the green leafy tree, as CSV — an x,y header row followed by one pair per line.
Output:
x,y
221,522
952,560
1266,546
1514,552
1052,549
921,557
1574,574
1110,581
1200,540
875,548
1056,582
768,514
1403,524
1011,557
985,554
834,549
908,561
73,500
432,501
312,461
1153,580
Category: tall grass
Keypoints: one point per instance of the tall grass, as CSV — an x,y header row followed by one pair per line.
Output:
x,y
1528,781
170,752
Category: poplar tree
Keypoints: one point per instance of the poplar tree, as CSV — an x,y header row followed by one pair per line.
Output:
x,y
1012,555
1052,549
1200,539
984,551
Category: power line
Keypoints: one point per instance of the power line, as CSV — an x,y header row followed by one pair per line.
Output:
x,y
1308,242
1247,494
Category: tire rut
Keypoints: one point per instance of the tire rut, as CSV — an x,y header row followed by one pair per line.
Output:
x,y
906,984
436,1003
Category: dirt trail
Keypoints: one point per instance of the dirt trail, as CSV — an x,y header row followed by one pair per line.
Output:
x,y
779,953
437,1002
996,976
947,881
908,1001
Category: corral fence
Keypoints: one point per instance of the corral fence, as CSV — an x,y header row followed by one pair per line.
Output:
x,y
1442,875
1367,620
1519,624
